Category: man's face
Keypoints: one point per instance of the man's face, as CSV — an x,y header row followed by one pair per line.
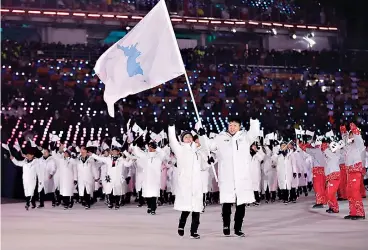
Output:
x,y
150,149
106,153
197,142
188,138
29,157
45,153
234,127
83,151
115,152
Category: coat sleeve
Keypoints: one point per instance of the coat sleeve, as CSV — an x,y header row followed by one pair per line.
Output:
x,y
162,155
138,152
95,172
75,171
253,132
18,163
100,158
52,166
174,144
210,144
260,155
294,163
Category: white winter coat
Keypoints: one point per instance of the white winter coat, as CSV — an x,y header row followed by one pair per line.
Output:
x,y
234,159
151,163
29,175
354,151
87,176
204,173
172,175
270,172
189,195
57,157
332,160
255,165
117,174
45,169
298,167
284,167
68,173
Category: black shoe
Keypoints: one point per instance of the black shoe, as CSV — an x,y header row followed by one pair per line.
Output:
x,y
140,205
293,201
57,204
53,205
110,206
153,213
239,234
256,204
181,231
26,207
358,217
33,206
87,207
70,206
286,202
117,207
267,201
348,217
272,200
318,206
195,236
305,194
226,231
40,206
66,207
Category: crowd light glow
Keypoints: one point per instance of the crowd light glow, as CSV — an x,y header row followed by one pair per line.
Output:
x,y
235,23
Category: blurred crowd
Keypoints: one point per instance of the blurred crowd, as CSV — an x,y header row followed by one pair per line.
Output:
x,y
64,90
295,11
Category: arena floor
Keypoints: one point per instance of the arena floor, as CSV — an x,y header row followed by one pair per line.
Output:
x,y
275,226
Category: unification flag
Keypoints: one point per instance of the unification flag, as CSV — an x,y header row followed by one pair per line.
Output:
x,y
145,58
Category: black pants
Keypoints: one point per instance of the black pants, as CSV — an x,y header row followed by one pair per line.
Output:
x,y
293,194
152,203
204,201
68,201
114,199
285,195
41,196
257,197
30,200
86,198
140,198
195,221
56,198
238,218
270,195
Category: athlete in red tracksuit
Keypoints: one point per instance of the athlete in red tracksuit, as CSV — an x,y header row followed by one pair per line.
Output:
x,y
332,171
353,162
318,171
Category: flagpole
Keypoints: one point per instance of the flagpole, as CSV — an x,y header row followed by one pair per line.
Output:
x,y
200,122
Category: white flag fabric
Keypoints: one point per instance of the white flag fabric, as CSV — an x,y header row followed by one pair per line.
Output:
x,y
145,58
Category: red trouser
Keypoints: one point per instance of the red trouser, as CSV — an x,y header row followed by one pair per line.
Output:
x,y
353,190
362,187
342,188
333,182
319,181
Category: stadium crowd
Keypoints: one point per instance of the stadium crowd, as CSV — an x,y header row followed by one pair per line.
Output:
x,y
311,12
315,93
